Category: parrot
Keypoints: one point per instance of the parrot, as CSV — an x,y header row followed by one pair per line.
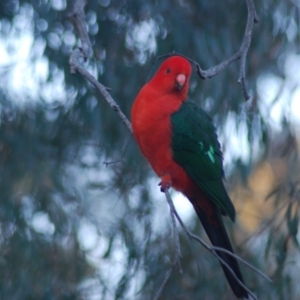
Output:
x,y
180,142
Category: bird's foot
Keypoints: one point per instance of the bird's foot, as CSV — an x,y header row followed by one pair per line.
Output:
x,y
165,183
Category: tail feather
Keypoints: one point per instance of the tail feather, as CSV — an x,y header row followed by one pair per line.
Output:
x,y
217,234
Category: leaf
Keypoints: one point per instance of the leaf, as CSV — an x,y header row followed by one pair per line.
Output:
x,y
292,223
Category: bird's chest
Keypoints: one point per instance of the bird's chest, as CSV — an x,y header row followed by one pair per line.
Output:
x,y
156,142
153,131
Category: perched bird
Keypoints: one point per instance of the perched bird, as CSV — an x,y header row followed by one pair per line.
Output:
x,y
180,142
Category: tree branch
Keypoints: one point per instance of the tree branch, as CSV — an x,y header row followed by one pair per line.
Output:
x,y
213,249
206,246
176,259
241,54
77,16
82,54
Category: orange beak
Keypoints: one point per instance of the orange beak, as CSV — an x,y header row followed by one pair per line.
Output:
x,y
180,81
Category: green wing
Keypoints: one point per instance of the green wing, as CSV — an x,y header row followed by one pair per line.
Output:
x,y
196,148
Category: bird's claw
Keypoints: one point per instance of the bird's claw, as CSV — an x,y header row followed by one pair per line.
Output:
x,y
163,188
165,183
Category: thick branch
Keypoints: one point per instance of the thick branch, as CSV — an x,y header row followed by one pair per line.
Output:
x,y
79,54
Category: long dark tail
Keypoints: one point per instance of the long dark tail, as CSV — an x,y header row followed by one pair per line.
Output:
x,y
215,229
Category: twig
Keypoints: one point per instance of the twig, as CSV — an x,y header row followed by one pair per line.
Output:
x,y
241,54
213,249
163,283
176,239
238,258
177,253
101,88
83,53
107,163
78,17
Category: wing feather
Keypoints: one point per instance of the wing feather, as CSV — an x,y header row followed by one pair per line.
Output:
x,y
196,148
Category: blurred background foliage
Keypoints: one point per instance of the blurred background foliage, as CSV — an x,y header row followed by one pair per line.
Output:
x,y
81,216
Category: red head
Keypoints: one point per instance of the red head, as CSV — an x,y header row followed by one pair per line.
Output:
x,y
173,76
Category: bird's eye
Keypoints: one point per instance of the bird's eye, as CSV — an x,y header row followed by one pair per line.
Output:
x,y
168,71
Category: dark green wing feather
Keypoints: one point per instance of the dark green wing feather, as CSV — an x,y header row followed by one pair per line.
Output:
x,y
196,148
